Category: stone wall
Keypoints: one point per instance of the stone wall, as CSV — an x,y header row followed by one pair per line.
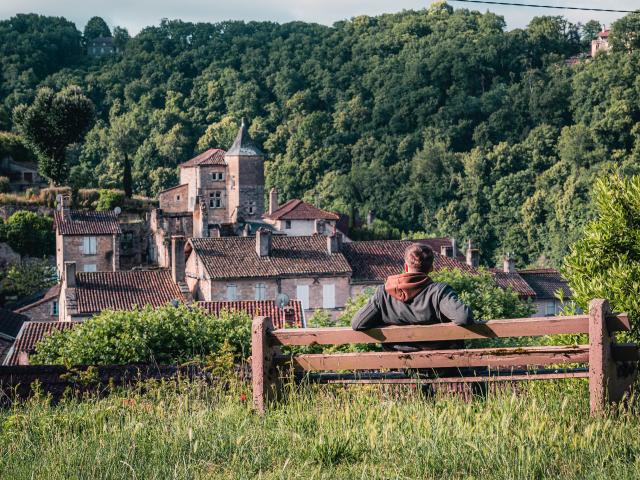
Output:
x,y
175,200
42,311
72,245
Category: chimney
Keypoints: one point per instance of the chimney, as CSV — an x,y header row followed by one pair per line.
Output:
x,y
454,248
289,317
63,203
263,242
473,256
177,259
70,274
273,200
509,264
332,244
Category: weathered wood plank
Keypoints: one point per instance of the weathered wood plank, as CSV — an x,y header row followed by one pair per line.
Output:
x,y
599,357
479,379
489,357
521,327
261,361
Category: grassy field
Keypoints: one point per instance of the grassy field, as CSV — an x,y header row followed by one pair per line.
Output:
x,y
190,430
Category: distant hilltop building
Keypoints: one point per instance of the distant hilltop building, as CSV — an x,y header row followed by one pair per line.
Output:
x,y
601,42
101,46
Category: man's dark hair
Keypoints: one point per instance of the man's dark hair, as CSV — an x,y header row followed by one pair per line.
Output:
x,y
419,257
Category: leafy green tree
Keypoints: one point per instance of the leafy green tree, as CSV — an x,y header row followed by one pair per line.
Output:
x,y
121,37
27,278
110,199
589,31
30,234
51,123
625,33
605,262
96,27
165,335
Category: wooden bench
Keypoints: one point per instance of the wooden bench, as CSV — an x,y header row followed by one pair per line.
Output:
x,y
611,366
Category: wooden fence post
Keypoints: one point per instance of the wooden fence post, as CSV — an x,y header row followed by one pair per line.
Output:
x,y
601,366
261,362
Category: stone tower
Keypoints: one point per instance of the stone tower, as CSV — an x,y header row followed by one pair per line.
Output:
x,y
245,177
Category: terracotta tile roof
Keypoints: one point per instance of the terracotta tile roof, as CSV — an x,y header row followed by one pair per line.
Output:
x,y
30,335
513,281
213,156
260,307
121,290
11,322
79,222
173,188
53,292
235,257
299,210
437,243
545,282
375,260
603,33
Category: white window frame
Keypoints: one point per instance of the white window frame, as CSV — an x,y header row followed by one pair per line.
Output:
x,y
329,296
232,292
302,294
89,245
89,268
261,291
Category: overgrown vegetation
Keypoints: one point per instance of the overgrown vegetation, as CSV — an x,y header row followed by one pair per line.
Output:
x,y
28,233
605,262
165,335
474,131
193,430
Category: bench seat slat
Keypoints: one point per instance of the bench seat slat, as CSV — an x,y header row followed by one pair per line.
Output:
x,y
445,380
490,357
521,327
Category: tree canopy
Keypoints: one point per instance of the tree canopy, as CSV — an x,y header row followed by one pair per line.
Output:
x,y
437,120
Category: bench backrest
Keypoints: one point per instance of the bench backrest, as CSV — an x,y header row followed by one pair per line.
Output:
x,y
600,353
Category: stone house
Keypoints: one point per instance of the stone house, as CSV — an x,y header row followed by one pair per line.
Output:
x,y
85,294
219,192
310,269
46,308
299,218
545,283
90,239
600,43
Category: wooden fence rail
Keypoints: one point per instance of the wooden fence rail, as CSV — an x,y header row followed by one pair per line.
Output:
x,y
611,366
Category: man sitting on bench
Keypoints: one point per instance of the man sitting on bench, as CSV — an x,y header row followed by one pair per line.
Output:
x,y
412,298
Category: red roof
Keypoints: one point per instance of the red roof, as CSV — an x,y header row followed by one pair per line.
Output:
x,y
299,210
546,282
79,222
121,290
213,156
513,281
30,335
603,33
376,260
235,257
260,307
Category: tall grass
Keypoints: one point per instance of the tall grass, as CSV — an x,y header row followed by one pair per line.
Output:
x,y
190,430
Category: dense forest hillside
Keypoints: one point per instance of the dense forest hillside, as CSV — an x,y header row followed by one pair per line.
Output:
x,y
437,120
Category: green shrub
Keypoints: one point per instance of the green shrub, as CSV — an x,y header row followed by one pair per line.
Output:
x,y
605,262
110,199
164,335
30,234
27,278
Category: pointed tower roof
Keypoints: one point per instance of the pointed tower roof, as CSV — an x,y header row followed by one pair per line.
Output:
x,y
244,145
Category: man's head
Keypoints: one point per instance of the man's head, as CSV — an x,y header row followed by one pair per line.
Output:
x,y
418,259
